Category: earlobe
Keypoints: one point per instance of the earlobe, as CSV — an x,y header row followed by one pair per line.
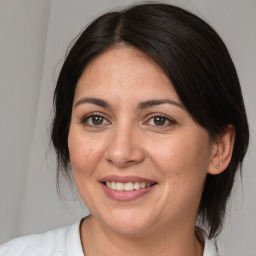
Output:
x,y
222,151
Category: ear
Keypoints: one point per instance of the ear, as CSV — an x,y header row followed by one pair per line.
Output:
x,y
222,151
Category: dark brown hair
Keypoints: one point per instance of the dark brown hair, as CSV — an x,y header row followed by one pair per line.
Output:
x,y
197,63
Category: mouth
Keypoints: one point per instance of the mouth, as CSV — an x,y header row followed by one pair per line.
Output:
x,y
126,188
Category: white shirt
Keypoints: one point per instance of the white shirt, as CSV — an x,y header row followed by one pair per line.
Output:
x,y
63,241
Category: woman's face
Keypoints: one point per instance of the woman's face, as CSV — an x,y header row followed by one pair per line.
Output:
x,y
139,160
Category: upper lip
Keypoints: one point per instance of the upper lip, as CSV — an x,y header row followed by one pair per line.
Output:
x,y
125,179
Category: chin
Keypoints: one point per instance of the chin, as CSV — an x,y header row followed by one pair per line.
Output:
x,y
129,229
128,222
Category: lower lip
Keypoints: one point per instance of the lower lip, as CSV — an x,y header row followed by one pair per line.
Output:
x,y
125,195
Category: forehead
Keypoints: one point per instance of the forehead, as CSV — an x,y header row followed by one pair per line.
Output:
x,y
122,55
125,70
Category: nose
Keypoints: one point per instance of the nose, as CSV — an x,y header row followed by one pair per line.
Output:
x,y
125,147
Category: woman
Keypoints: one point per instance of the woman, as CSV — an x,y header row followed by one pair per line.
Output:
x,y
150,115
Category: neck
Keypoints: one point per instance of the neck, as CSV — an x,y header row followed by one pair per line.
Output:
x,y
99,240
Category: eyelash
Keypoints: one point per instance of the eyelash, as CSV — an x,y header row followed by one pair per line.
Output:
x,y
164,117
170,121
85,119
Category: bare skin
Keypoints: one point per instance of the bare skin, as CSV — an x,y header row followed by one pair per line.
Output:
x,y
128,121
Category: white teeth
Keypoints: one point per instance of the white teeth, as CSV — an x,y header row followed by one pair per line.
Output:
x,y
113,185
128,186
136,185
119,186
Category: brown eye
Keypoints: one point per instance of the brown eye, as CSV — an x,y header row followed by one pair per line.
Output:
x,y
159,121
95,120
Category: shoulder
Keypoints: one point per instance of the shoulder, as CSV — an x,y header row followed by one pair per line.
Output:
x,y
210,248
49,243
53,242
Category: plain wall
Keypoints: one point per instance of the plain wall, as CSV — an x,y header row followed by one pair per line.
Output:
x,y
23,29
34,36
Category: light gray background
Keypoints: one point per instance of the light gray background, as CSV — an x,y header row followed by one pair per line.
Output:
x,y
34,35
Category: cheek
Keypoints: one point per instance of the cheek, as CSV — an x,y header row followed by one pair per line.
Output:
x,y
83,153
183,156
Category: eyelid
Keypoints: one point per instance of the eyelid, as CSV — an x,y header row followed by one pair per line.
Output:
x,y
93,114
168,118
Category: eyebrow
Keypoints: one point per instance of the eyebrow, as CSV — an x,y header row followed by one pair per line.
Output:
x,y
141,105
95,101
151,103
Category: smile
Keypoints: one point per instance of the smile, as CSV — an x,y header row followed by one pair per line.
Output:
x,y
127,186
